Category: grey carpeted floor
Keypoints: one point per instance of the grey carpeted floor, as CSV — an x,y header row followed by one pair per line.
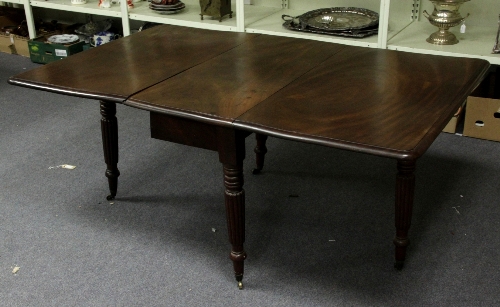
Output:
x,y
163,241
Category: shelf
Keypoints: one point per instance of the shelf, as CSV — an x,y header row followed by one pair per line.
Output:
x,y
477,42
273,25
13,1
91,7
254,13
189,17
400,27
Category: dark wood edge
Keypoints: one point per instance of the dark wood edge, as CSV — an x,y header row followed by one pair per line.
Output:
x,y
442,121
198,116
65,91
339,144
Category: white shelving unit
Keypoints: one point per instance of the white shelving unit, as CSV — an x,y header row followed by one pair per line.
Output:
x,y
14,1
190,17
28,12
91,7
268,18
476,42
402,25
273,25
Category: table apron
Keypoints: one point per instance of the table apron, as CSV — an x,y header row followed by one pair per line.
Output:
x,y
187,131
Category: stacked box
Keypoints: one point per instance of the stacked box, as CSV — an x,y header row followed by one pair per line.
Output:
x,y
482,119
20,45
10,21
6,40
43,52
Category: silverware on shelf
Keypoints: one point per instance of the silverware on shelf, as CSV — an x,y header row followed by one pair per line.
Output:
x,y
496,48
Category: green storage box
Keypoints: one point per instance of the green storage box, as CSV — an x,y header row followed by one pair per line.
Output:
x,y
43,52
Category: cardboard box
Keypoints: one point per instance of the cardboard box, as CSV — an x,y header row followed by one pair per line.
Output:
x,y
42,52
10,40
482,118
6,42
15,44
451,127
20,45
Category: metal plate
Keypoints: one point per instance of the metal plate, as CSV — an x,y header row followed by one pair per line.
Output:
x,y
167,6
167,12
339,18
63,39
357,33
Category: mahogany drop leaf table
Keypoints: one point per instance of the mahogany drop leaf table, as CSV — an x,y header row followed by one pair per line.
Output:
x,y
212,89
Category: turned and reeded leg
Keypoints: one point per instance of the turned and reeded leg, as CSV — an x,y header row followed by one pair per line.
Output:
x,y
260,152
235,210
109,128
231,148
405,186
230,145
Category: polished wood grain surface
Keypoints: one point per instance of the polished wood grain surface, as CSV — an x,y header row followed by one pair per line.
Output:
x,y
116,70
223,88
380,102
377,101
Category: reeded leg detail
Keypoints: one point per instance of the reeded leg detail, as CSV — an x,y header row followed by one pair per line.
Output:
x,y
405,187
109,129
260,152
235,209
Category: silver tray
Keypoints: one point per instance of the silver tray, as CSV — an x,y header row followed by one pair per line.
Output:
x,y
356,33
167,6
339,18
156,8
168,12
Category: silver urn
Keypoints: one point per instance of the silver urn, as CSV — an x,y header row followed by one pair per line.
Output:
x,y
445,16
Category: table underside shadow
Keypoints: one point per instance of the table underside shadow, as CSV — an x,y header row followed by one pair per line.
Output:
x,y
230,144
405,187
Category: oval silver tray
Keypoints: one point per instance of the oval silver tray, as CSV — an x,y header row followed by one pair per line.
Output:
x,y
356,33
339,18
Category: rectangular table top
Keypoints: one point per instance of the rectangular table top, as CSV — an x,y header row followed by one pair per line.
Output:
x,y
117,70
381,102
224,87
376,101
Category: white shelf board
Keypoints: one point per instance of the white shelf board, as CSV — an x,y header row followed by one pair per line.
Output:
x,y
254,13
273,25
13,1
189,17
477,42
91,7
